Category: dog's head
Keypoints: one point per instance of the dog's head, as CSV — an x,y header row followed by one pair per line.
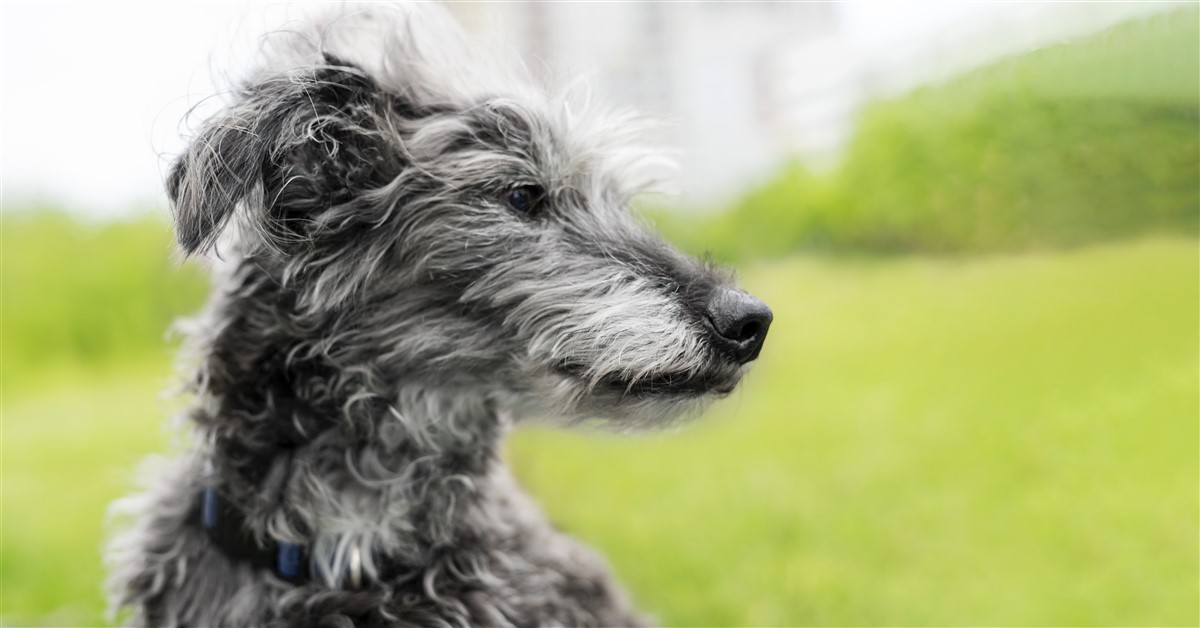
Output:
x,y
448,226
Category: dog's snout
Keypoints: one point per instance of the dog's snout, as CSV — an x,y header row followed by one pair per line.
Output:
x,y
740,322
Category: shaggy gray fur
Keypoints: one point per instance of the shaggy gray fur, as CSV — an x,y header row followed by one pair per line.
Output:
x,y
383,311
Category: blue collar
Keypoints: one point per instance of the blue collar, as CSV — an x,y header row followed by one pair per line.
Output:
x,y
226,528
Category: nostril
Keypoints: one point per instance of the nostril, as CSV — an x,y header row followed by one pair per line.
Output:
x,y
748,331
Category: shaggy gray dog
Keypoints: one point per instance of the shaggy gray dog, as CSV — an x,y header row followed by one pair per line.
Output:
x,y
411,251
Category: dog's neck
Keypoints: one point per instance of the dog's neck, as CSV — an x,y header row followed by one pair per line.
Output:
x,y
316,453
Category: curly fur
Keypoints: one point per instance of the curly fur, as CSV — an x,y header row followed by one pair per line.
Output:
x,y
379,320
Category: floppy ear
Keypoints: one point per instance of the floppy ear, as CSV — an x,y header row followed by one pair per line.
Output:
x,y
281,138
220,167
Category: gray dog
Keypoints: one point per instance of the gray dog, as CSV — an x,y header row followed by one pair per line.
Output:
x,y
412,251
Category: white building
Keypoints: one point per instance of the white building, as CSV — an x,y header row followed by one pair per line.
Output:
x,y
710,69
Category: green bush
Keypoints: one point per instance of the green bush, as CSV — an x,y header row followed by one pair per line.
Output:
x,y
86,295
1089,140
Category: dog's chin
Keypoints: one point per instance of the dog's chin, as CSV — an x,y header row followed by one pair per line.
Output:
x,y
666,385
574,394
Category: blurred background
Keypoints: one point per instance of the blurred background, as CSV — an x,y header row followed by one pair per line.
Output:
x,y
976,223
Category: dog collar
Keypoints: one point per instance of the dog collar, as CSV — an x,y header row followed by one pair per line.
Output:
x,y
226,528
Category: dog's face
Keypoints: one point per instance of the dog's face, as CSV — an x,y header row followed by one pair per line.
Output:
x,y
479,240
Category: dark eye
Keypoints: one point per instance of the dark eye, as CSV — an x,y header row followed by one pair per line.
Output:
x,y
524,199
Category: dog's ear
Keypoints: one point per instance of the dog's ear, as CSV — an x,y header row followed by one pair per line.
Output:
x,y
291,145
224,164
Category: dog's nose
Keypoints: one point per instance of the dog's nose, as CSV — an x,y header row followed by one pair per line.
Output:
x,y
741,322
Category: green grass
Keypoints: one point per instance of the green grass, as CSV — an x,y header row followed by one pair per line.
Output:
x,y
999,441
69,451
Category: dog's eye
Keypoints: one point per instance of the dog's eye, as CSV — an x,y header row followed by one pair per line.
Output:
x,y
524,199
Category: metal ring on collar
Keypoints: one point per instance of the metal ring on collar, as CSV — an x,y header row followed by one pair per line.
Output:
x,y
355,568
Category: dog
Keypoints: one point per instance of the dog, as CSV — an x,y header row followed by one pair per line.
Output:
x,y
412,251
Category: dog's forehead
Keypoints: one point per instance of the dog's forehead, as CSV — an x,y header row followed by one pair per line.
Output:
x,y
568,139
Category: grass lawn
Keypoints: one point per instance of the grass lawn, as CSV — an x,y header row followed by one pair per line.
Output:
x,y
926,442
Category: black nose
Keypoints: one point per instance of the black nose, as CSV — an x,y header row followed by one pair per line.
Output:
x,y
741,322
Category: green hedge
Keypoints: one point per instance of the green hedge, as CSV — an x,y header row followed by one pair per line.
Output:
x,y
1089,140
88,294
